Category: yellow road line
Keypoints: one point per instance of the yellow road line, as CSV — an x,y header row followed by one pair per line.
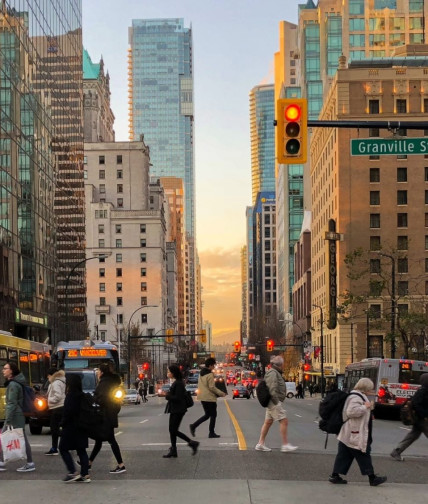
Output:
x,y
242,444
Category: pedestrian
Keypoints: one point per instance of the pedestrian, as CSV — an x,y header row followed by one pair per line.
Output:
x,y
250,388
140,391
145,390
275,411
56,397
355,436
299,390
208,394
72,437
14,416
311,389
420,406
177,409
104,396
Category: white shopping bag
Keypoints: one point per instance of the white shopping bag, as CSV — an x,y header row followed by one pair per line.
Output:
x,y
12,444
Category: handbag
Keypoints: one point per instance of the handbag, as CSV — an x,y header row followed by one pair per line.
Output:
x,y
13,444
188,399
167,407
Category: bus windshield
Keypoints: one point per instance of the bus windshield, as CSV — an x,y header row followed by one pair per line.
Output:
x,y
85,354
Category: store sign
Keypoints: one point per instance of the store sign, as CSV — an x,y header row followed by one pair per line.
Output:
x,y
20,317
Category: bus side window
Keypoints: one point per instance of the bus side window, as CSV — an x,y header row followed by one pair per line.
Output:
x,y
3,360
24,365
35,368
13,355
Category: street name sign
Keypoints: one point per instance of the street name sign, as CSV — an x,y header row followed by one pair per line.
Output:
x,y
388,146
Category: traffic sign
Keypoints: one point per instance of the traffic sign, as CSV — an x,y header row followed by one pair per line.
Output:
x,y
388,146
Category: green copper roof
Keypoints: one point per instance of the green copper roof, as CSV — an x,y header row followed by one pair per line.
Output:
x,y
90,70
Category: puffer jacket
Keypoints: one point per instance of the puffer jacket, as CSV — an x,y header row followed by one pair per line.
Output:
x,y
276,385
14,402
207,390
56,390
355,431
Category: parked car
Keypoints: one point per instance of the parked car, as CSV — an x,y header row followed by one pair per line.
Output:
x,y
192,388
131,397
291,389
240,391
164,390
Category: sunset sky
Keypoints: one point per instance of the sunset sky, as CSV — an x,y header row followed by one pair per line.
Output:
x,y
234,43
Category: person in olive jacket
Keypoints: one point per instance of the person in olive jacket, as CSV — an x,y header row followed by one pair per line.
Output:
x,y
14,416
104,396
420,405
177,409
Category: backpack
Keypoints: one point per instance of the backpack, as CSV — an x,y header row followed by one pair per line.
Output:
x,y
331,409
408,414
29,400
189,399
263,394
90,419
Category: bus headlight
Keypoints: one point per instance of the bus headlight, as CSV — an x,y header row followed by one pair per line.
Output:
x,y
41,403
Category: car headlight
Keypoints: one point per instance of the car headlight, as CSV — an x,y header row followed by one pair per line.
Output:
x,y
118,394
41,403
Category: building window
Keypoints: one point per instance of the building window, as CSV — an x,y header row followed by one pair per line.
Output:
x,y
374,197
101,160
401,220
118,258
144,318
401,106
426,220
426,197
426,265
426,287
143,258
426,174
143,271
374,132
401,197
103,335
118,272
101,243
102,272
374,107
375,288
119,174
375,312
101,228
426,242
118,228
119,286
403,265
120,188
142,228
375,346
142,242
143,286
403,288
118,243
119,159
119,318
375,220
101,214
102,174
102,188
103,319
402,243
120,202
102,301
401,174
374,175
144,301
375,243
102,287
119,301
374,265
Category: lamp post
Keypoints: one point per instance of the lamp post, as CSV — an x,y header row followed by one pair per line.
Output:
x,y
67,282
322,347
393,302
129,339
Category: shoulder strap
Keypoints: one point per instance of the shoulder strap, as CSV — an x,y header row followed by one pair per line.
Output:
x,y
357,394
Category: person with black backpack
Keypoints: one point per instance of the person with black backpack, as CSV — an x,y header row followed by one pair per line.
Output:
x,y
355,436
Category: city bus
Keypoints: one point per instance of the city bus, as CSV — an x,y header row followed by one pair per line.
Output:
x,y
33,359
395,380
86,354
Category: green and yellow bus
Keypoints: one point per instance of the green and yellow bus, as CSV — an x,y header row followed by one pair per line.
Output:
x,y
33,359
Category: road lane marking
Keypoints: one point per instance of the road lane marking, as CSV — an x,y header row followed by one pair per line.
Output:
x,y
227,444
242,444
146,420
405,428
295,414
118,433
162,444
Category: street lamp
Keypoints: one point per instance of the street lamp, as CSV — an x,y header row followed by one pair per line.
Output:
x,y
67,282
322,347
129,339
393,302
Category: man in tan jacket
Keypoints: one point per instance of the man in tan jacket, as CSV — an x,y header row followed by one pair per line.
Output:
x,y
208,394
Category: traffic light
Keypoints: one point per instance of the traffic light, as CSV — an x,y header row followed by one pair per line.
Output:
x,y
140,376
237,345
292,130
306,367
169,336
203,336
146,366
270,345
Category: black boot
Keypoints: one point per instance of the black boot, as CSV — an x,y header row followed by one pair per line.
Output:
x,y
194,445
172,452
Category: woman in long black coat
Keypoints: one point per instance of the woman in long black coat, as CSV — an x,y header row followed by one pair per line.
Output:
x,y
72,437
177,409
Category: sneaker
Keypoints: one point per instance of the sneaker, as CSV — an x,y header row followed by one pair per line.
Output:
x,y
396,456
288,448
52,452
83,479
262,447
71,477
192,430
89,466
337,480
28,467
118,470
214,435
378,480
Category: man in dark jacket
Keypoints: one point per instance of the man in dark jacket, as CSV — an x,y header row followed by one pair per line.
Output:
x,y
420,405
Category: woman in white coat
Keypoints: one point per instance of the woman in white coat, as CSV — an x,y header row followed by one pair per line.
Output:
x,y
355,436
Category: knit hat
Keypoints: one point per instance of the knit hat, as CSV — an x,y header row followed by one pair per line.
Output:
x,y
423,380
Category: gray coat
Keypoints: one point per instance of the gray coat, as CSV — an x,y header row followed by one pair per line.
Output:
x,y
276,385
14,402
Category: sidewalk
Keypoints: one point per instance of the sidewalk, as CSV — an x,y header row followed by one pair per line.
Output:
x,y
166,491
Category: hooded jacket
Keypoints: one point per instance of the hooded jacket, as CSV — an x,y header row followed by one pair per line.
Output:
x,y
207,390
56,390
420,399
14,402
276,385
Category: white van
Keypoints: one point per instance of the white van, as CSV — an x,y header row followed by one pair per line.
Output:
x,y
291,389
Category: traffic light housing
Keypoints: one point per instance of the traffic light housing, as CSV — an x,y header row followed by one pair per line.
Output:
x,y
203,336
292,130
270,345
237,345
169,336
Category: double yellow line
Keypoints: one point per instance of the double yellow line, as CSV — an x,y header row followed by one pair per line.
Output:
x,y
242,444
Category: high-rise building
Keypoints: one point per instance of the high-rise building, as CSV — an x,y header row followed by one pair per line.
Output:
x,y
244,294
41,166
262,130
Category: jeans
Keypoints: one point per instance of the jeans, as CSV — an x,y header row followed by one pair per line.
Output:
x,y
114,448
345,456
55,420
174,424
210,409
420,427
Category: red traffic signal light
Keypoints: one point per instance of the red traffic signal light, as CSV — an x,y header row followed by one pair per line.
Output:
x,y
270,345
140,376
146,366
292,126
237,346
306,367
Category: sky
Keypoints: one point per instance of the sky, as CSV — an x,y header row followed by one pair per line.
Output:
x,y
234,42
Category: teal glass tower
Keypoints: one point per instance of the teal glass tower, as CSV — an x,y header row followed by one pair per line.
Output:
x,y
161,100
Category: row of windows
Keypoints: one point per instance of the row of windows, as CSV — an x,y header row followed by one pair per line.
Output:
x,y
119,318
102,188
402,243
118,228
102,174
401,174
402,220
102,159
119,243
401,197
102,285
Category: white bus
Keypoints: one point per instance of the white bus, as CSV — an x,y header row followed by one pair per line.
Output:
x,y
395,380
